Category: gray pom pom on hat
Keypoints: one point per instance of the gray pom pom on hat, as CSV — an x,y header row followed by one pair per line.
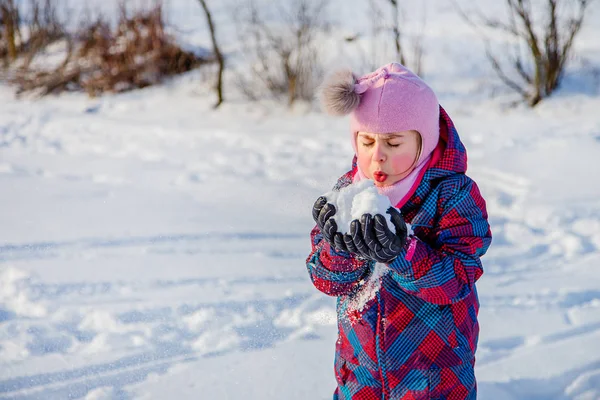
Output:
x,y
338,95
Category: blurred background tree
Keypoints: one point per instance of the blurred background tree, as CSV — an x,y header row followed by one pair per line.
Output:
x,y
544,34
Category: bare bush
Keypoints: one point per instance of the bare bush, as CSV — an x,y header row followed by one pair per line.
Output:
x,y
283,56
9,31
9,26
135,54
390,30
536,72
42,28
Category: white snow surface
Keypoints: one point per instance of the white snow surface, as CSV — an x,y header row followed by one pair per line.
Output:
x,y
355,200
152,247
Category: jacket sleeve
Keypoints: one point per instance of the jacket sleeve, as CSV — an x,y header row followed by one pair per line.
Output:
x,y
333,273
444,272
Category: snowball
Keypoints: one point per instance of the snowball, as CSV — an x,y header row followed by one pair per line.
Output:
x,y
354,200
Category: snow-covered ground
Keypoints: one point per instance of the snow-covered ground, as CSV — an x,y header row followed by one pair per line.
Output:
x,y
153,248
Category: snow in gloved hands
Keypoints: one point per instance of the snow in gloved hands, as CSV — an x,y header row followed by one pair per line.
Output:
x,y
354,200
351,202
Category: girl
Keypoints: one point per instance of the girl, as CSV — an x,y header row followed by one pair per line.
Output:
x,y
406,301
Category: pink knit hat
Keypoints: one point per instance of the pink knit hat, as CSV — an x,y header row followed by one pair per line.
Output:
x,y
391,99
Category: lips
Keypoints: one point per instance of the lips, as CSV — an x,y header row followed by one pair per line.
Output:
x,y
379,176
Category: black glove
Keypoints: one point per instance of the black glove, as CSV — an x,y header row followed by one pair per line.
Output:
x,y
322,213
372,239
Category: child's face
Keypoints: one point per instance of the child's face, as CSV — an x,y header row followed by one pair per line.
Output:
x,y
387,158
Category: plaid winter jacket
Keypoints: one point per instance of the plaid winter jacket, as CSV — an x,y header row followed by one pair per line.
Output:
x,y
409,330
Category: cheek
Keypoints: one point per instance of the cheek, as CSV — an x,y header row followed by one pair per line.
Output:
x,y
364,162
403,161
363,158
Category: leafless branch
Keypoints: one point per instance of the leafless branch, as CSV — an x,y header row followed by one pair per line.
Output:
x,y
548,50
216,51
135,54
284,56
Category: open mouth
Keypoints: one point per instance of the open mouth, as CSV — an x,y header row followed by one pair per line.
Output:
x,y
379,176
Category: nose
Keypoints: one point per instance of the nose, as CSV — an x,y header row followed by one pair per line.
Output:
x,y
378,152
